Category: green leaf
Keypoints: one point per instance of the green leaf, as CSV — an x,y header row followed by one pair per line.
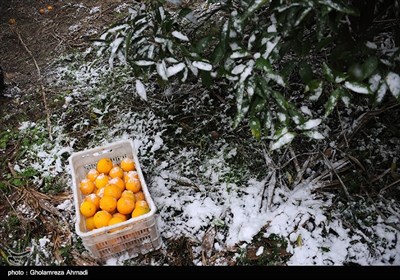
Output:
x,y
262,88
202,44
267,121
303,14
296,116
305,72
255,127
332,101
297,47
339,7
128,43
17,182
333,75
288,69
257,105
283,140
206,78
184,12
218,54
29,172
264,65
369,66
328,73
159,11
315,87
355,72
324,41
222,46
280,100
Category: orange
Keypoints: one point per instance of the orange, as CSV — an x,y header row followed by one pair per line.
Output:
x,y
130,175
49,7
116,172
42,11
92,174
118,182
94,198
101,180
108,203
125,205
138,211
133,185
122,216
127,164
104,165
139,196
100,192
90,223
87,208
101,218
116,220
128,194
112,190
142,203
12,21
86,186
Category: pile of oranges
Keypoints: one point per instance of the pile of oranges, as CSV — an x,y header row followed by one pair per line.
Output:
x,y
112,194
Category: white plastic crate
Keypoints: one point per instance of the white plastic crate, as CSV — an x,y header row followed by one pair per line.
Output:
x,y
127,239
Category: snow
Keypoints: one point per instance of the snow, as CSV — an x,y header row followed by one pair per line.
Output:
x,y
356,87
26,125
94,10
180,36
175,69
43,241
202,65
283,140
235,55
306,110
374,82
144,62
271,28
158,143
317,93
260,250
66,205
238,69
270,46
381,92
310,124
371,45
314,134
141,90
247,71
393,82
162,71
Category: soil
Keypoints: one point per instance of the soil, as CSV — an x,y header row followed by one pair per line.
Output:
x,y
29,41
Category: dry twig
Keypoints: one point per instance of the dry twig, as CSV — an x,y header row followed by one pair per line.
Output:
x,y
40,81
330,166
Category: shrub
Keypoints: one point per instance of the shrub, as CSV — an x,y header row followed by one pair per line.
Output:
x,y
288,63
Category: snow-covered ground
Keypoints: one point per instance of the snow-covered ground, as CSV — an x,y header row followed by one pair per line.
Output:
x,y
195,188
